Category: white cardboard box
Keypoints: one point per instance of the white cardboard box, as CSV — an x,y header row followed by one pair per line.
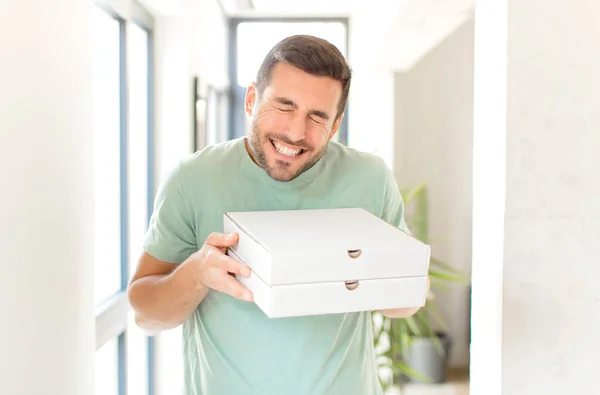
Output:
x,y
327,261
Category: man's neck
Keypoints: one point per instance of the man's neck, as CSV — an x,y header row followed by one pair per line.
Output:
x,y
250,152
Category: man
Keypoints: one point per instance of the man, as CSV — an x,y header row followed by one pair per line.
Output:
x,y
288,161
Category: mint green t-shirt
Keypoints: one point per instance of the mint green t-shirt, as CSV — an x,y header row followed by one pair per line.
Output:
x,y
230,346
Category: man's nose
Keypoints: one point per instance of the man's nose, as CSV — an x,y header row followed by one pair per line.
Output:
x,y
296,130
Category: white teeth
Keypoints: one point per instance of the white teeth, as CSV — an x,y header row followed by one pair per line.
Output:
x,y
286,150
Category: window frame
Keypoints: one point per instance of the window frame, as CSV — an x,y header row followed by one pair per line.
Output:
x,y
236,111
111,316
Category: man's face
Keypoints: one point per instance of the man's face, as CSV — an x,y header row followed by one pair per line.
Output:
x,y
292,121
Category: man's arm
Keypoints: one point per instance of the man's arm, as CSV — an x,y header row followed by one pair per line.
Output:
x,y
403,312
164,295
173,275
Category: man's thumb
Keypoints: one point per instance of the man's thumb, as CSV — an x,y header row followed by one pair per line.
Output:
x,y
221,240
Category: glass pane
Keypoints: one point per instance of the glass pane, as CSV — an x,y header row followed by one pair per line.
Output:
x,y
255,39
107,190
137,359
107,369
138,141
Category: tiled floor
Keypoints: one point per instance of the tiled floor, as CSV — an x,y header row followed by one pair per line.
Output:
x,y
458,384
441,389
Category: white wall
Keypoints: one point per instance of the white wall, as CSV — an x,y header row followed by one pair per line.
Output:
x,y
46,200
550,297
188,43
552,249
433,141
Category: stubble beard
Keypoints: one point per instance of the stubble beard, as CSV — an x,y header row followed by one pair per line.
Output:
x,y
278,172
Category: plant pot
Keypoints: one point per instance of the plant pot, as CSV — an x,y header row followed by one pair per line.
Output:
x,y
425,358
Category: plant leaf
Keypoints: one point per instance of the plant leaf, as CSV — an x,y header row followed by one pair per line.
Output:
x,y
410,193
410,321
423,319
435,313
442,265
445,276
410,372
405,345
437,344
439,284
422,232
384,385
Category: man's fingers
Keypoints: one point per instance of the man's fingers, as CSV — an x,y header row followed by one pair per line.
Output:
x,y
232,266
233,287
222,240
219,266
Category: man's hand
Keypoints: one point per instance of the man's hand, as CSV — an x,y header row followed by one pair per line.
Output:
x,y
164,295
215,269
408,311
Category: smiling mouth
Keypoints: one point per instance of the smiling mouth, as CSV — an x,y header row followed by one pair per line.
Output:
x,y
287,150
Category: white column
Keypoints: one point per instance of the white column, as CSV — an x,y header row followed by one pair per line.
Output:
x,y
46,206
489,152
548,319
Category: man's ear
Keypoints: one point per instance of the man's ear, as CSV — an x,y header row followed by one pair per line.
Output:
x,y
251,99
336,126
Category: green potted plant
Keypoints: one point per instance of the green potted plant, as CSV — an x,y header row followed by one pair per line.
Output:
x,y
410,348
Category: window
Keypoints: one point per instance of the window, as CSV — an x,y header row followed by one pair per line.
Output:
x,y
252,40
107,368
255,39
138,181
123,190
137,144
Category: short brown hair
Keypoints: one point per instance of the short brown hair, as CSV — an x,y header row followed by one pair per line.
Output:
x,y
313,55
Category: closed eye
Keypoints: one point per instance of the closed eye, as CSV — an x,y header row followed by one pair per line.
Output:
x,y
317,120
284,109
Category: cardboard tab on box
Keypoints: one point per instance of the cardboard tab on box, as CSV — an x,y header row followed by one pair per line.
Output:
x,y
327,261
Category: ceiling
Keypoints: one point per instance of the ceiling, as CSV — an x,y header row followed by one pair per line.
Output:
x,y
394,34
289,7
419,27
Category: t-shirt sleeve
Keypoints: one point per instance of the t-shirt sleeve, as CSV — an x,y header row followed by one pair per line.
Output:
x,y
393,203
171,233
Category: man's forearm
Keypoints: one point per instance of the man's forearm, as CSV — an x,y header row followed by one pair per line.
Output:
x,y
164,302
400,313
